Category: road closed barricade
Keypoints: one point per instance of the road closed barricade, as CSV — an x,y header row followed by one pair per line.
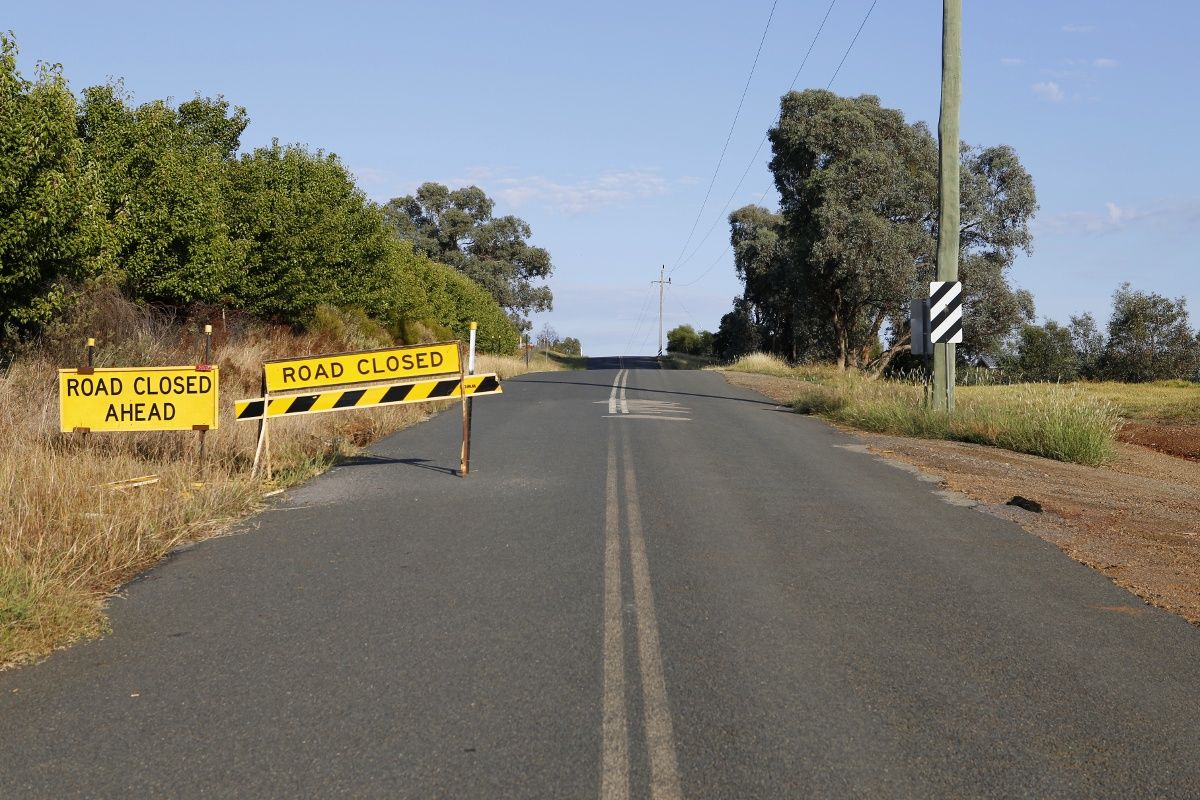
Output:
x,y
365,379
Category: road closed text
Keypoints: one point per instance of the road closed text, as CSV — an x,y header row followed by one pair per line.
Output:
x,y
154,398
372,365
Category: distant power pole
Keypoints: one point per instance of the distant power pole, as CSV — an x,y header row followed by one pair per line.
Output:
x,y
662,282
948,211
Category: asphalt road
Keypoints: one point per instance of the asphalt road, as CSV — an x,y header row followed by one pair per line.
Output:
x,y
651,585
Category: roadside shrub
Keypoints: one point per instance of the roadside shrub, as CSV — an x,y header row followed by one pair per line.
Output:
x,y
348,328
762,363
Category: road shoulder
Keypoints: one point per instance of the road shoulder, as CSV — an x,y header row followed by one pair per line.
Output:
x,y
1136,520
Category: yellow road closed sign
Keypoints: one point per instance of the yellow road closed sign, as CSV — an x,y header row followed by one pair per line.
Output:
x,y
138,399
394,363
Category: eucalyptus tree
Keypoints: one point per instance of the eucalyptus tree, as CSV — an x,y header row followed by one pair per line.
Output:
x,y
855,236
456,227
1149,338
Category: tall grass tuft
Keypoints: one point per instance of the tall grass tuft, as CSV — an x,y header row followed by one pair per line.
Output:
x,y
1066,423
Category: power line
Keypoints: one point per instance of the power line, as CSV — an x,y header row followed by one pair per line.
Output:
x,y
753,158
720,258
757,150
852,41
641,316
728,137
687,314
709,269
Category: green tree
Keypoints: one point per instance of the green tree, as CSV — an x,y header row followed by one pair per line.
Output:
x,y
311,237
163,175
1046,353
683,339
738,333
429,292
457,228
1088,343
856,235
1149,338
51,214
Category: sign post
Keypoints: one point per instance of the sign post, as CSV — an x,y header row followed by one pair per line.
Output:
x,y
948,190
466,459
205,365
464,456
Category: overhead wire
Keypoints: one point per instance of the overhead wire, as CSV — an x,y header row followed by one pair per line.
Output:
x,y
641,316
763,141
757,150
754,158
687,314
728,137
845,55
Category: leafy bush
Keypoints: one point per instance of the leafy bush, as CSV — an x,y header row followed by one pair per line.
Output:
x,y
51,223
429,291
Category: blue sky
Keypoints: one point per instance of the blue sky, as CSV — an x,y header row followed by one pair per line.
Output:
x,y
602,124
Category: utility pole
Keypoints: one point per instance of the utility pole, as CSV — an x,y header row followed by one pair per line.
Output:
x,y
948,210
662,282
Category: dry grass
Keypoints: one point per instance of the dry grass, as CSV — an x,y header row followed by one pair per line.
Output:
x,y
1067,423
67,541
767,364
512,366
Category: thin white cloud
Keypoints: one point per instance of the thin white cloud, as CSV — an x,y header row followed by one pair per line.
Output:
x,y
580,196
513,191
1105,63
1112,218
1049,91
1076,28
1012,62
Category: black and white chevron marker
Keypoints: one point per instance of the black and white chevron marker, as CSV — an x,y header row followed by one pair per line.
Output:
x,y
945,312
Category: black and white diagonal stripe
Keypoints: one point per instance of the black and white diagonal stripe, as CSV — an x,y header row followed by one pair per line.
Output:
x,y
945,312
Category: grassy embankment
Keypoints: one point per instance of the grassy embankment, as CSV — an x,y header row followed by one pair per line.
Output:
x,y
67,540
1074,422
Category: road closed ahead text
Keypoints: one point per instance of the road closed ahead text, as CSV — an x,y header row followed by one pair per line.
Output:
x,y
143,399
374,365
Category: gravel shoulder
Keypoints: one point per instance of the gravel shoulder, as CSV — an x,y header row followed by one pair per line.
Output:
x,y
1137,519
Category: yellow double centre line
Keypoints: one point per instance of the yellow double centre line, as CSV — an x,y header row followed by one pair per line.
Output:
x,y
656,711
